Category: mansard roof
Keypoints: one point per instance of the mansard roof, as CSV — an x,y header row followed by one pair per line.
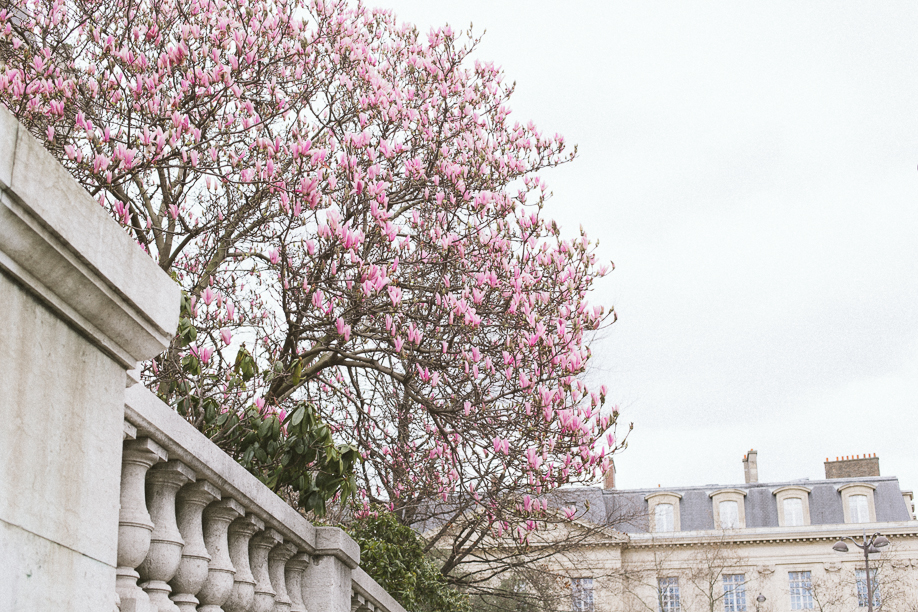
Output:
x,y
626,509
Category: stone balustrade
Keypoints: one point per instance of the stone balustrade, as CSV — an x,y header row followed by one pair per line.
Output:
x,y
109,500
215,538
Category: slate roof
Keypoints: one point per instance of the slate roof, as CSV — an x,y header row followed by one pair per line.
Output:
x,y
626,509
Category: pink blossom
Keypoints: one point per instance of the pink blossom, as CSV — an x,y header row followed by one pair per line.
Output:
x,y
343,329
208,296
202,353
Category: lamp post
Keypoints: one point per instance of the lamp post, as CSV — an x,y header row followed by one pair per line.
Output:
x,y
759,601
873,544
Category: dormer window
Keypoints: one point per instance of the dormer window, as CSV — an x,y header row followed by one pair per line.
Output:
x,y
663,518
793,512
729,508
729,514
663,510
793,506
857,502
857,509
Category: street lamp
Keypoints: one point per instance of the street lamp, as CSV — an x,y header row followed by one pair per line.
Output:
x,y
759,601
873,544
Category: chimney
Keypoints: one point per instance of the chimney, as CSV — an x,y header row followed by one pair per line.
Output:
x,y
751,467
608,481
856,466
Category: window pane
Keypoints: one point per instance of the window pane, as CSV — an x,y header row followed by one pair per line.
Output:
x,y
729,514
582,594
857,509
793,512
734,593
663,517
801,590
861,578
669,594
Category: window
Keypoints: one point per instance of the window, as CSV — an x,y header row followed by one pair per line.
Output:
x,y
729,514
734,592
663,517
582,594
858,510
861,578
669,594
793,505
663,510
857,502
729,508
793,512
801,591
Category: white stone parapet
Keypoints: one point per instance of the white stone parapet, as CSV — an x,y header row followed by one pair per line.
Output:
x,y
109,500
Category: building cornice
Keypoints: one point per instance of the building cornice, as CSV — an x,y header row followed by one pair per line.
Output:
x,y
771,535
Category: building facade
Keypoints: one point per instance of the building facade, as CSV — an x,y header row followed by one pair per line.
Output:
x,y
755,546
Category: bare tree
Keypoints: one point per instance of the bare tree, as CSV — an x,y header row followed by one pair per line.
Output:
x,y
640,583
841,588
707,568
699,576
829,592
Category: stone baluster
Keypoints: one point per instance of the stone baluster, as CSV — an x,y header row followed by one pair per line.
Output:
x,y
192,571
359,603
277,561
134,524
163,483
293,574
259,549
242,597
220,570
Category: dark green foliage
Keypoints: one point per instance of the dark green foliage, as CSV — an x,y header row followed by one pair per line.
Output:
x,y
292,453
393,555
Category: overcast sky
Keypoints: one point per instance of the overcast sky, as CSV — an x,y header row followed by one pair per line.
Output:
x,y
751,170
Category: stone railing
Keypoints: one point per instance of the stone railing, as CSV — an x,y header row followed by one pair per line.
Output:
x,y
108,498
228,521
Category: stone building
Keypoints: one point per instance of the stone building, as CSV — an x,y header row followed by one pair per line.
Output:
x,y
722,547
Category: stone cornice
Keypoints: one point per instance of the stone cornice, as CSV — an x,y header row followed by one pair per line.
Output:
x,y
59,244
773,535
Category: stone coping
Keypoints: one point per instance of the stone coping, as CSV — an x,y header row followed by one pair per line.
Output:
x,y
63,247
369,589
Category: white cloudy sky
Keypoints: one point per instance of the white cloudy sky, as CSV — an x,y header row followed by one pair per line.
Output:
x,y
751,170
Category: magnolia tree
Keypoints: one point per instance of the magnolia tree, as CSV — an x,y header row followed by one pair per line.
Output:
x,y
374,302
